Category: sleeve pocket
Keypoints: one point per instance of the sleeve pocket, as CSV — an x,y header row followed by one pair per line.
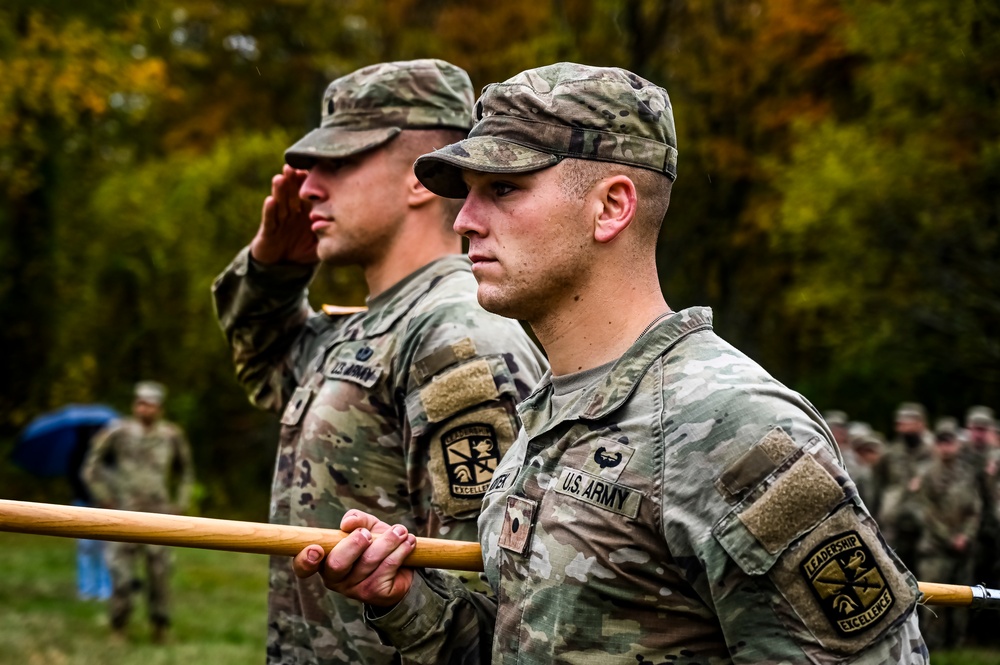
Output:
x,y
466,417
834,576
460,388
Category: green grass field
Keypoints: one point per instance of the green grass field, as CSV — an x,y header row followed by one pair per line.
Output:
x,y
219,610
219,603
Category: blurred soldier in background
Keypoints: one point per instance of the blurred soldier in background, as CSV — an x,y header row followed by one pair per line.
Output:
x,y
404,408
141,463
981,453
869,446
859,472
951,513
897,479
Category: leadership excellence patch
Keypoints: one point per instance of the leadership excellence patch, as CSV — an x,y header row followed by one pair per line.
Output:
x,y
471,455
846,580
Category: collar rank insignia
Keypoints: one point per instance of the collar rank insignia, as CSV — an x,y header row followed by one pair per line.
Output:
x,y
846,580
471,455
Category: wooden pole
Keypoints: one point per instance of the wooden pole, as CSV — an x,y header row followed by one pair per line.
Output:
x,y
210,534
257,538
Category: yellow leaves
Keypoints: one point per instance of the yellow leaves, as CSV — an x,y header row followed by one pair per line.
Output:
x,y
69,71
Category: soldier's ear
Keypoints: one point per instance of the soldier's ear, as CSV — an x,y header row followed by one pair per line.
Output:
x,y
416,194
616,207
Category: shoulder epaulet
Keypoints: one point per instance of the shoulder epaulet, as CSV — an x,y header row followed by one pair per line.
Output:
x,y
342,310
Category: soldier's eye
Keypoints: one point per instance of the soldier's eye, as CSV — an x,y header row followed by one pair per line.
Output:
x,y
331,165
502,188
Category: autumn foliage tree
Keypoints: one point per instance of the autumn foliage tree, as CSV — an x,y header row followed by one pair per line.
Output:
x,y
837,203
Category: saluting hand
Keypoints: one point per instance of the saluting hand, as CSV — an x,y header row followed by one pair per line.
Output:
x,y
367,564
285,234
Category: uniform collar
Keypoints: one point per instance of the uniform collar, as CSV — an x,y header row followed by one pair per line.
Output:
x,y
606,396
386,308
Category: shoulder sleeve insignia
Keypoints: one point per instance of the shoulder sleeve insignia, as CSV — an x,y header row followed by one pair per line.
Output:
x,y
471,455
845,578
843,583
464,454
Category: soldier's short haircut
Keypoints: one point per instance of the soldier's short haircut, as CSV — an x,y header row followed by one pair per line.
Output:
x,y
412,143
652,188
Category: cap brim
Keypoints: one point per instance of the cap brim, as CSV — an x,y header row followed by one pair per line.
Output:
x,y
334,143
441,170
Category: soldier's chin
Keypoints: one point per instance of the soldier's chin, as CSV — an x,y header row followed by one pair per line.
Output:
x,y
494,300
332,255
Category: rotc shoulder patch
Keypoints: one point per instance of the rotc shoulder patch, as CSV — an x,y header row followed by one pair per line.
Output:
x,y
471,455
464,453
842,582
848,583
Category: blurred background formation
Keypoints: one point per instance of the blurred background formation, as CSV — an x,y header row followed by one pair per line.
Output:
x,y
838,206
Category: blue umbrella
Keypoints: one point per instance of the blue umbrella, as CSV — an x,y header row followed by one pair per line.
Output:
x,y
49,443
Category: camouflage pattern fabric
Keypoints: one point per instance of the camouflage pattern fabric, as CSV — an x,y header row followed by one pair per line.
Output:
x,y
985,464
952,506
533,120
686,508
402,411
130,467
122,561
370,106
899,506
860,473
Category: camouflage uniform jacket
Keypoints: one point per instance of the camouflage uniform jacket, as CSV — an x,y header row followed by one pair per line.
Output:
x,y
951,506
984,465
402,411
687,508
131,467
899,507
860,473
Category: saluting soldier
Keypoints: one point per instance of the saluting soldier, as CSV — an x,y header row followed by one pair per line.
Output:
x,y
140,463
402,408
666,500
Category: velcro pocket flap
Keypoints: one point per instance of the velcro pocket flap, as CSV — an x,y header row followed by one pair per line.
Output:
x,y
464,386
789,503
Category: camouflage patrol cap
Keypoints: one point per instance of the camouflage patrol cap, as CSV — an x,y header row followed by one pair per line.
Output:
x,y
535,119
979,416
911,411
858,429
946,428
370,106
835,418
869,441
150,392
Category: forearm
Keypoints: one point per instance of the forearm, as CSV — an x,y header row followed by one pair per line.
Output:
x,y
439,621
262,310
970,525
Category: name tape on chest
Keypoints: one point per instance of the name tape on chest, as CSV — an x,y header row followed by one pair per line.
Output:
x,y
355,372
500,482
606,495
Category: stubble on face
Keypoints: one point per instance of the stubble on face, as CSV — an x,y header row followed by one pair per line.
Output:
x,y
542,244
363,209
